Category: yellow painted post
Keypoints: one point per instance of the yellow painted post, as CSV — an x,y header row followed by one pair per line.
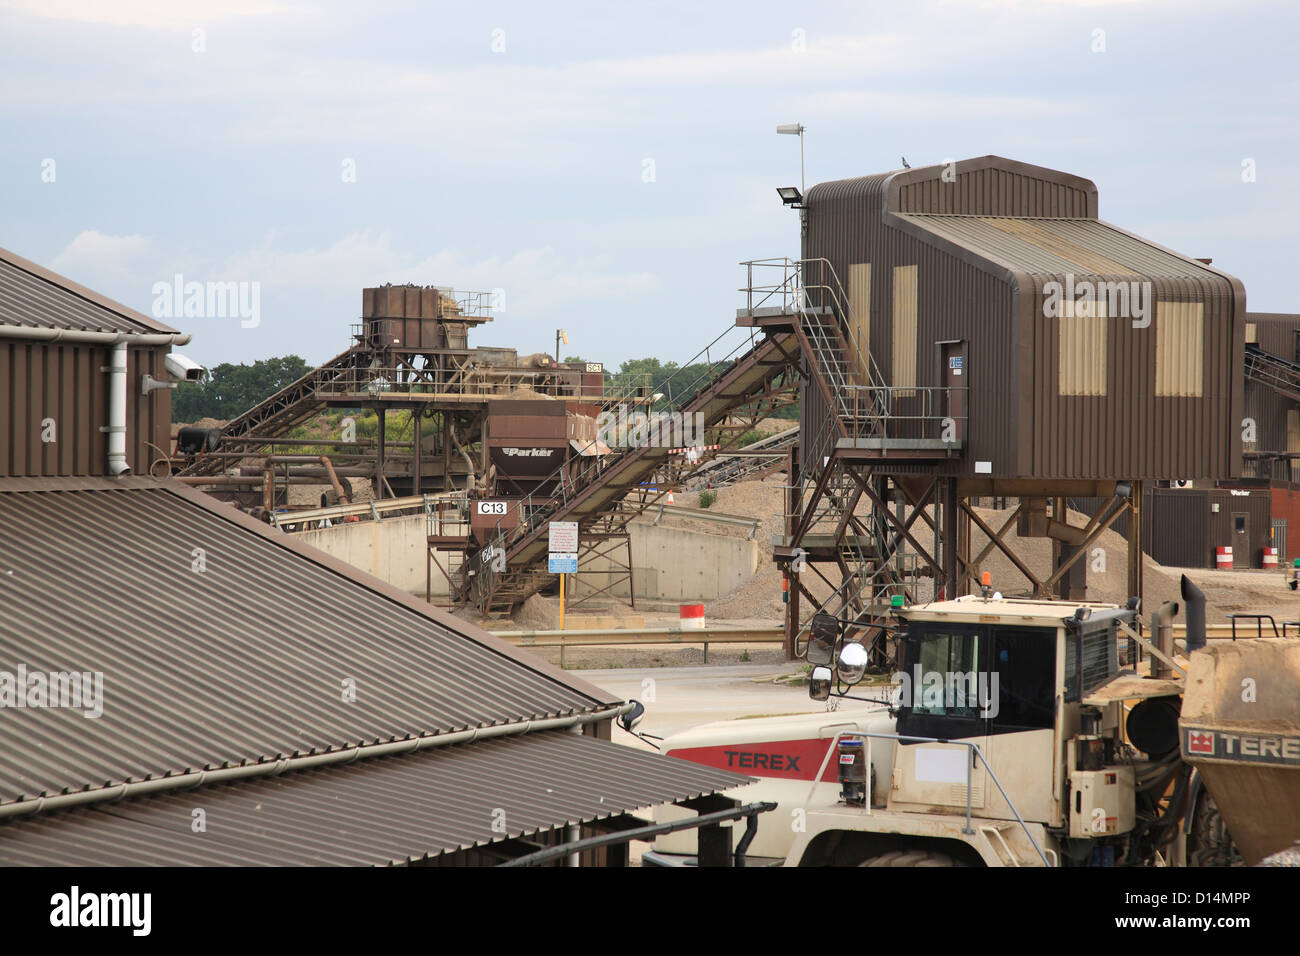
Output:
x,y
561,618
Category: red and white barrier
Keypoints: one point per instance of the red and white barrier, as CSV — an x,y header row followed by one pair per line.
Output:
x,y
1223,559
1270,558
692,617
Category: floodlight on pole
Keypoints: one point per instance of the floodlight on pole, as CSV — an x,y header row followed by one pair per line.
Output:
x,y
795,129
560,336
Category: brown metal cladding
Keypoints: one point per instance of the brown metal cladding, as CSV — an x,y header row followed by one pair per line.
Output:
x,y
1278,334
993,186
241,662
382,811
956,299
66,382
984,246
37,298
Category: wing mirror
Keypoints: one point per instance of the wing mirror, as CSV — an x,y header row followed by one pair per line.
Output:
x,y
819,683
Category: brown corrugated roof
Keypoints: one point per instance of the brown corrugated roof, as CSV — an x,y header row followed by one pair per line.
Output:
x,y
389,810
1056,247
244,661
35,297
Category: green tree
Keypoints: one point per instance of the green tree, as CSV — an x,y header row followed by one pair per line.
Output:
x,y
230,390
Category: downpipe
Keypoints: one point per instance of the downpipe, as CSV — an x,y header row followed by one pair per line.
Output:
x,y
116,428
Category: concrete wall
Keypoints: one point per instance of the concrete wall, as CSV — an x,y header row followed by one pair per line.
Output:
x,y
393,549
670,564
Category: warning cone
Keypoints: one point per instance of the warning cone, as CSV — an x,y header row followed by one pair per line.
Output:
x,y
670,499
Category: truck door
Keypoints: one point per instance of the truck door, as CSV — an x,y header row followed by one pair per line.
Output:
x,y
1020,706
937,658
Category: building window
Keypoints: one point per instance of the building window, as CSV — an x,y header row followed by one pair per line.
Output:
x,y
1180,349
1081,352
904,331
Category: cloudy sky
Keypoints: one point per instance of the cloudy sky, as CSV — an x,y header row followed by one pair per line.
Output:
x,y
606,165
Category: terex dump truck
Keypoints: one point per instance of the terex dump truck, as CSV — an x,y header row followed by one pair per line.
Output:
x,y
1017,735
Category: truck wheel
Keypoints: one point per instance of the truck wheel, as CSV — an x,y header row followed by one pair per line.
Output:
x,y
911,858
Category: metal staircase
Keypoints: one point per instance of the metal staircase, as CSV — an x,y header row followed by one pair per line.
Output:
x,y
807,297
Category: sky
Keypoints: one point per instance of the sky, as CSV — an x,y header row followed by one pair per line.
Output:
x,y
602,167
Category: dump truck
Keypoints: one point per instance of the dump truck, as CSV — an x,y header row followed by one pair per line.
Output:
x,y
1014,733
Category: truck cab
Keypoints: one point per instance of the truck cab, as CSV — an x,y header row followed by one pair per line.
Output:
x,y
997,758
1005,741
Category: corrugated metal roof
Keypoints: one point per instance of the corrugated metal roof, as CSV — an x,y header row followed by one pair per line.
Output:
x,y
242,659
388,810
38,298
1056,247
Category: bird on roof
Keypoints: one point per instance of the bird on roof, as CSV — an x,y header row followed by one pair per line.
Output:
x,y
906,164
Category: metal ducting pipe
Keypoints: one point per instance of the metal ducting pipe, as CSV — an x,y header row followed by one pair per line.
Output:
x,y
1194,598
1162,626
117,412
334,480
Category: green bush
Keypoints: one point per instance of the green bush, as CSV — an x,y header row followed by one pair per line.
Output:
x,y
707,498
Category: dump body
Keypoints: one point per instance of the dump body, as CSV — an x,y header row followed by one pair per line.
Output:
x,y
1240,727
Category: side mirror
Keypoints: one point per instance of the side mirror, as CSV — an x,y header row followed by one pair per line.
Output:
x,y
822,637
819,684
633,717
853,663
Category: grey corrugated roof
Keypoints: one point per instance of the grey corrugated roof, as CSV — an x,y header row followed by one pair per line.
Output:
x,y
243,662
373,812
36,297
1055,247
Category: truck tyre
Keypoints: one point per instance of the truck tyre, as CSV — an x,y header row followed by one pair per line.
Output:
x,y
911,858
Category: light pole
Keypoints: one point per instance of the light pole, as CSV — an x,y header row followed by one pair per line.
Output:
x,y
796,129
560,335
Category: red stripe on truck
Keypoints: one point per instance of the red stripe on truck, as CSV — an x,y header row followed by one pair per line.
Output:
x,y
788,759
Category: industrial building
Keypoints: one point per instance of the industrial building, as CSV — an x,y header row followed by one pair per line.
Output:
x,y
975,329
184,684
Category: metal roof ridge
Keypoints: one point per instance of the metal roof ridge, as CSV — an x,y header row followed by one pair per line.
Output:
x,y
274,767
82,292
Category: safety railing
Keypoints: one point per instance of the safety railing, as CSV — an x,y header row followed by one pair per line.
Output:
x,y
975,753
913,412
550,381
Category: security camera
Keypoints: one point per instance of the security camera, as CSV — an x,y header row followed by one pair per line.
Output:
x,y
183,369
